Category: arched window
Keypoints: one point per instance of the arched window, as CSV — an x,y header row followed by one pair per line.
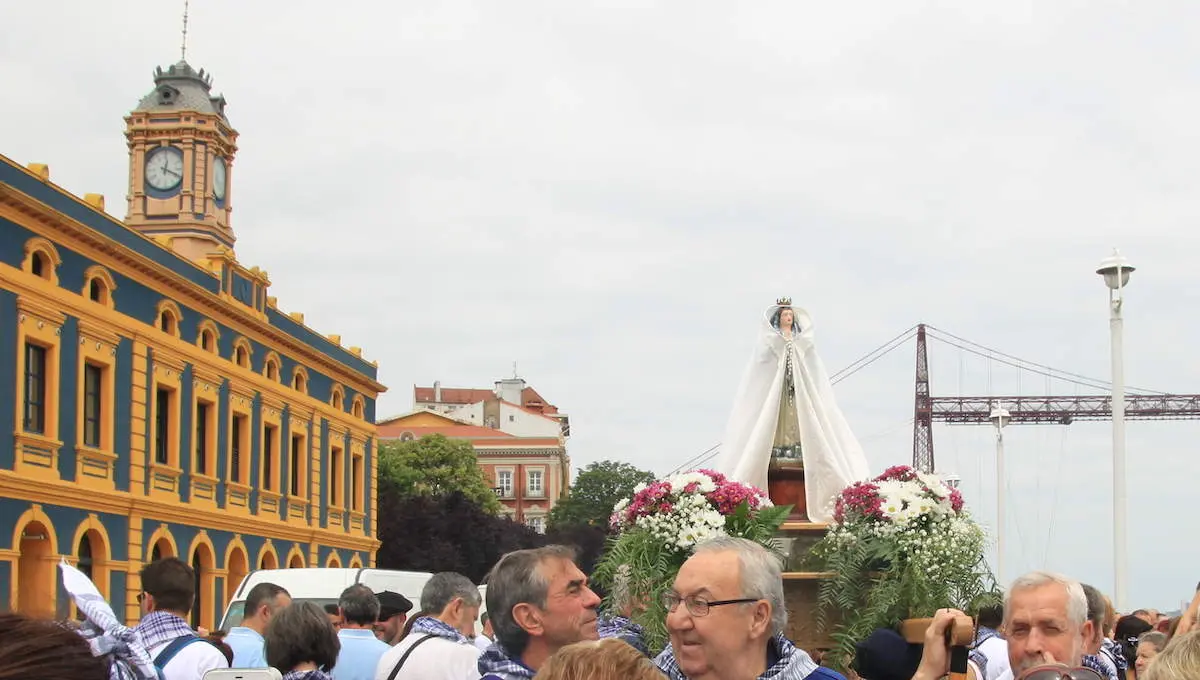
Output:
x,y
168,318
271,366
98,285
242,352
300,380
208,337
337,399
84,553
41,259
357,408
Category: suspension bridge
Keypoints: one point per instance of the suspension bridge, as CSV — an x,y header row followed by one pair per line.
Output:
x,y
1140,404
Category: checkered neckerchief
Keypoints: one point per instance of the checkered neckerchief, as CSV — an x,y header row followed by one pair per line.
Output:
x,y
159,627
793,663
495,661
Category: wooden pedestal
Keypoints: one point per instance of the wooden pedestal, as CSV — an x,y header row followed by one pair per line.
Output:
x,y
800,586
785,486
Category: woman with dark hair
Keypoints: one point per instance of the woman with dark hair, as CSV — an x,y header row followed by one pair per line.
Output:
x,y
1128,630
34,648
301,642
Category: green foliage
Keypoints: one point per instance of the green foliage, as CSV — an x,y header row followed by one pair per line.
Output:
x,y
879,580
434,466
596,490
652,565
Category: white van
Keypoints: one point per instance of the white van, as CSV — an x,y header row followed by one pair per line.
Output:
x,y
324,586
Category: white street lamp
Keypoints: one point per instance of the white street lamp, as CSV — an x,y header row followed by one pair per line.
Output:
x,y
1116,269
953,480
1000,418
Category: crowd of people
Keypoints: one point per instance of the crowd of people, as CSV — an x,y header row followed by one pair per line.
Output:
x,y
726,620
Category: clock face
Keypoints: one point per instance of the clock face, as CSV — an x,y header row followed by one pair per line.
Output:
x,y
220,178
164,168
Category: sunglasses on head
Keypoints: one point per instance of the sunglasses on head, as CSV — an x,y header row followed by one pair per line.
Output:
x,y
1060,672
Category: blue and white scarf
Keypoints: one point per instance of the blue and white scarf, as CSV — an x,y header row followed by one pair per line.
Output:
x,y
496,662
160,627
439,628
792,663
307,675
128,658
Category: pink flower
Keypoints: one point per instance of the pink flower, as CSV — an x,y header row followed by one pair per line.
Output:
x,y
956,500
898,473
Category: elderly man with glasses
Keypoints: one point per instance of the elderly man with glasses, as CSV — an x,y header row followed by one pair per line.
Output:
x,y
727,615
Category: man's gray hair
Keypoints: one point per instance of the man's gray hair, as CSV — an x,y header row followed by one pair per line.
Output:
x,y
518,579
1077,602
761,576
359,605
446,587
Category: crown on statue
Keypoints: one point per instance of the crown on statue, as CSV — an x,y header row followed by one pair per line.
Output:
x,y
784,301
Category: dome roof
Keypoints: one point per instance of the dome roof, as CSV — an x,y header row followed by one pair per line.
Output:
x,y
181,87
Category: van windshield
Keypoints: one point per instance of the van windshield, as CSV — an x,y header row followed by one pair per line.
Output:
x,y
237,610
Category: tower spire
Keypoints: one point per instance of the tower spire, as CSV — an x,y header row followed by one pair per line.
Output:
x,y
183,44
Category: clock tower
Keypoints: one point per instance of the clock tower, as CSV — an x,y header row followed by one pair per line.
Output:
x,y
181,150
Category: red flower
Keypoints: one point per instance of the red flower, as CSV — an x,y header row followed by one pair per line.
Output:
x,y
898,473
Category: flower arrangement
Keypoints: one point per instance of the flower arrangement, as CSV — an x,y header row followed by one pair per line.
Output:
x,y
902,545
659,526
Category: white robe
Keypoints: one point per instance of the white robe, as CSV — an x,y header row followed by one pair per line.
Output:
x,y
833,458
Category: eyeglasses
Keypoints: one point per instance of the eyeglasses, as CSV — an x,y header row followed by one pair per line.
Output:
x,y
697,606
1059,672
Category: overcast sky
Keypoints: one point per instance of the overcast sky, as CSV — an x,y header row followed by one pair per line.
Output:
x,y
610,193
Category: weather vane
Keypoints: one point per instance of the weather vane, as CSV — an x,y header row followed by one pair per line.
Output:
x,y
183,45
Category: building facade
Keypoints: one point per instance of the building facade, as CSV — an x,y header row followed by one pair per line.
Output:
x,y
520,439
154,400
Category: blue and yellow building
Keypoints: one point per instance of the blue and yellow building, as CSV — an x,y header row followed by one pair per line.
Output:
x,y
154,401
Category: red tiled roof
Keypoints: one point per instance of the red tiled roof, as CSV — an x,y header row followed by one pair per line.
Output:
x,y
452,395
453,431
530,399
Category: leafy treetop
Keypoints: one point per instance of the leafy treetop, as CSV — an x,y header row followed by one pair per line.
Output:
x,y
596,490
435,466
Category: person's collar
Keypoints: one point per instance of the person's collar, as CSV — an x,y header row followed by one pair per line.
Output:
x,y
254,625
357,632
245,630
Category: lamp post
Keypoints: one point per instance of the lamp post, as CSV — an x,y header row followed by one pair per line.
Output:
x,y
953,480
1000,418
1116,269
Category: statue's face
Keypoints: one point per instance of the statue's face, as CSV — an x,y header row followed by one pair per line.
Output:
x,y
786,318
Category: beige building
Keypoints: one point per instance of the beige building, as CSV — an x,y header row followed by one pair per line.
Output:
x,y
521,440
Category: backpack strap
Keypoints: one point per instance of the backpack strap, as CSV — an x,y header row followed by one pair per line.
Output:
x,y
408,652
164,657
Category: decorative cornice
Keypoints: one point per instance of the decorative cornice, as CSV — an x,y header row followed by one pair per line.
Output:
x,y
37,308
94,331
175,285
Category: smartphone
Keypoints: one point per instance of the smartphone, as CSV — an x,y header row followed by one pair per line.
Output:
x,y
243,674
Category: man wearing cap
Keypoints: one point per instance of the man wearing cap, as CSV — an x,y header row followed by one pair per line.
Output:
x,y
393,614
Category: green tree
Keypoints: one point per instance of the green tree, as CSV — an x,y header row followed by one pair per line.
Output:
x,y
596,490
434,466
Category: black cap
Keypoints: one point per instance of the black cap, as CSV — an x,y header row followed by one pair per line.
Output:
x,y
391,604
886,655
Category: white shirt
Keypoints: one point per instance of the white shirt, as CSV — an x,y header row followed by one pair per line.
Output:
x,y
191,662
435,659
996,651
481,641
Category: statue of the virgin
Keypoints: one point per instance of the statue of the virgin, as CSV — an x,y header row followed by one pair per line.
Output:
x,y
785,415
